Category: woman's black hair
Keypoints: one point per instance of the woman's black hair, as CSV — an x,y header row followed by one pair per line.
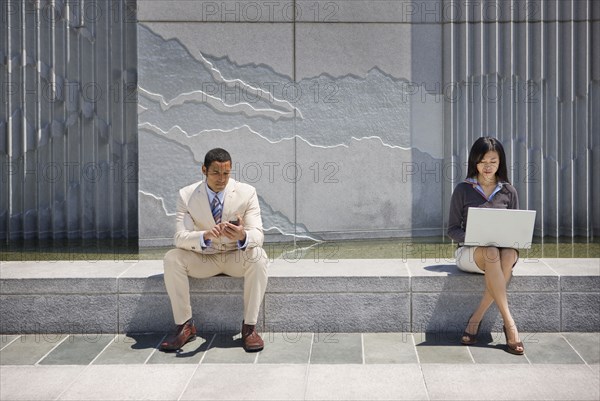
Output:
x,y
479,149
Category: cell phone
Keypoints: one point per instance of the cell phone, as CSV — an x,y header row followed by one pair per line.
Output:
x,y
234,222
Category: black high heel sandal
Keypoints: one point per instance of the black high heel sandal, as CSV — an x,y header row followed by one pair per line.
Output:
x,y
468,338
512,348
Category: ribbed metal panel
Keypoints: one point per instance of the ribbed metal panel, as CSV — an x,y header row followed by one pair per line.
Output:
x,y
68,119
527,72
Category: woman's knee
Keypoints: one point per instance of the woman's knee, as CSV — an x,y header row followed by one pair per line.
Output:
x,y
509,253
491,254
509,257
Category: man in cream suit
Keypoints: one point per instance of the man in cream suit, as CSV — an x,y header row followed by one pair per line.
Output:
x,y
219,230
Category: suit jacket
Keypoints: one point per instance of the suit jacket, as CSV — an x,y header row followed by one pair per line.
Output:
x,y
194,216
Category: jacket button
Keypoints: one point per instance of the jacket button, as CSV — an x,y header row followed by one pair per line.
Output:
x,y
193,247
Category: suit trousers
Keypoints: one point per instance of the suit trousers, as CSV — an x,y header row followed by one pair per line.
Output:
x,y
179,264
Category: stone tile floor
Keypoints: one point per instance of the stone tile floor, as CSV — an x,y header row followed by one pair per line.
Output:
x,y
299,366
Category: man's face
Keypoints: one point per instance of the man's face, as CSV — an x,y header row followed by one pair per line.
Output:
x,y
217,175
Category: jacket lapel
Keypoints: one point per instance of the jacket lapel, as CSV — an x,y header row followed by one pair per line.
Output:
x,y
228,201
199,207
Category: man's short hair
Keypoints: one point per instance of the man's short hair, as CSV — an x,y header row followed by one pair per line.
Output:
x,y
216,155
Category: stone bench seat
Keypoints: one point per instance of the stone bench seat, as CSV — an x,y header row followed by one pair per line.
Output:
x,y
348,295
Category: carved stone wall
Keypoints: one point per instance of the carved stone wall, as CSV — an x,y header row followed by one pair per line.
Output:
x,y
319,112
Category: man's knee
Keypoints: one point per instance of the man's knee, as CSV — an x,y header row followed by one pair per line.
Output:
x,y
173,260
256,259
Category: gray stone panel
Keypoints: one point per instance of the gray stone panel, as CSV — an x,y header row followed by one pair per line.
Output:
x,y
528,276
579,284
341,49
149,285
574,266
321,11
59,286
342,170
326,267
342,275
61,277
145,313
449,312
580,312
399,11
338,312
67,268
233,94
576,275
152,312
156,284
455,282
218,11
328,285
58,314
535,284
533,312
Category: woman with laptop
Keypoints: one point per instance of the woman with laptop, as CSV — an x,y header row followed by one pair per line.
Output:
x,y
486,186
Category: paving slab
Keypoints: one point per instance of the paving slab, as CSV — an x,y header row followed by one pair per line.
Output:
x,y
550,348
227,348
138,382
79,349
6,339
191,353
492,350
388,348
439,348
129,349
242,382
334,348
511,382
365,382
286,348
29,349
32,383
587,346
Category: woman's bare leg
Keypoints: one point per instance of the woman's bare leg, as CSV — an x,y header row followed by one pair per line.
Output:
x,y
508,258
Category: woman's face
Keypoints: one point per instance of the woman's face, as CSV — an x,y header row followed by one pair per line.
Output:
x,y
488,166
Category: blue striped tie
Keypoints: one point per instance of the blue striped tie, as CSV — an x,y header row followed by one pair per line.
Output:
x,y
216,209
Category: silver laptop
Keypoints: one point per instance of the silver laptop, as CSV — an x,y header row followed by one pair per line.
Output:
x,y
510,228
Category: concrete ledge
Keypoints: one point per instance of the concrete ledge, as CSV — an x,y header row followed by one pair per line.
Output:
x,y
353,295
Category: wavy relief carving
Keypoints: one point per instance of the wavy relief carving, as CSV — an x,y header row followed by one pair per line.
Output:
x,y
323,127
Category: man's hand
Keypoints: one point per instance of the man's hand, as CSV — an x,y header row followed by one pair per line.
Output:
x,y
213,233
234,232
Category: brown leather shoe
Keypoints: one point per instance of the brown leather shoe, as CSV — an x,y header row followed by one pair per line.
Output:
x,y
185,333
251,339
